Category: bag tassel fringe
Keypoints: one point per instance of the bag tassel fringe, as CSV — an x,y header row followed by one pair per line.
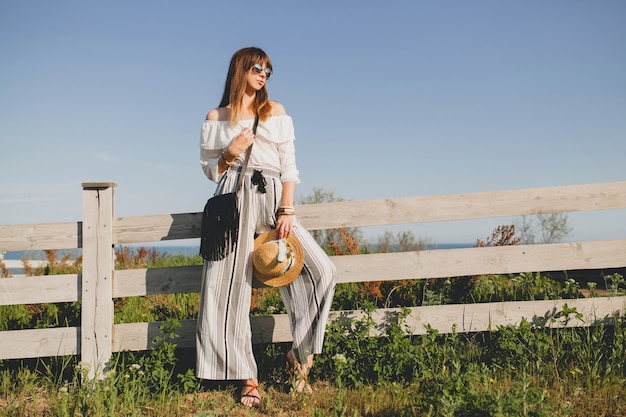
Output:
x,y
220,227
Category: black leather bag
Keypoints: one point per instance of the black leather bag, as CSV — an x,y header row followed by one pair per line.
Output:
x,y
220,227
220,219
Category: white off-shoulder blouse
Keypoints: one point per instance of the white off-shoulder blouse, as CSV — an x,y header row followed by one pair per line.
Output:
x,y
273,147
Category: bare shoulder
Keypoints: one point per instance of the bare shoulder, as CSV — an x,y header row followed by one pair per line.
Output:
x,y
218,114
277,108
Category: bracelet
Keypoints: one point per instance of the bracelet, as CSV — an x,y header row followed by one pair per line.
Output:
x,y
285,211
230,164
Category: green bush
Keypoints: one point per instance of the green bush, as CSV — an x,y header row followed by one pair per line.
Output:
x,y
462,370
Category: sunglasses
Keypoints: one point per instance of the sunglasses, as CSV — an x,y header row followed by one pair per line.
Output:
x,y
259,69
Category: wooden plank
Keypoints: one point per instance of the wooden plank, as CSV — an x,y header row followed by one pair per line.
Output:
x,y
98,185
441,263
465,318
353,268
170,280
16,237
18,344
140,336
62,341
463,206
271,329
97,281
407,210
40,289
156,228
462,318
340,214
476,261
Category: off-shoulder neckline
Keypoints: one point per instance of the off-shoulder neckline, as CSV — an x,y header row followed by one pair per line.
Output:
x,y
248,120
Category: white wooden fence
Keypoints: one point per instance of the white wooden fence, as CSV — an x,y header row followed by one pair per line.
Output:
x,y
98,337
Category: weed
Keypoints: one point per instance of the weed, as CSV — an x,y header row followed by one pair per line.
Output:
x,y
616,284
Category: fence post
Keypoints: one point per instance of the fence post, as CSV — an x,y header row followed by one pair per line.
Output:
x,y
97,278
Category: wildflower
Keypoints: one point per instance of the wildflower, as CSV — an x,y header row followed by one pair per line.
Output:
x,y
491,380
339,358
126,377
134,367
140,373
63,390
83,367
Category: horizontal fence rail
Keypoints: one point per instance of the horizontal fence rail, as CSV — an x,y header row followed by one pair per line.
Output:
x,y
423,264
462,318
97,337
407,210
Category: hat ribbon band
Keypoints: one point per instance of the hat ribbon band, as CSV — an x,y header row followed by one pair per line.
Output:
x,y
287,267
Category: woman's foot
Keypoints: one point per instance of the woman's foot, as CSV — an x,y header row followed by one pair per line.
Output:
x,y
250,395
299,373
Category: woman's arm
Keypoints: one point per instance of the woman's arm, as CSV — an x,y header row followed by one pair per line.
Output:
x,y
289,191
284,222
238,145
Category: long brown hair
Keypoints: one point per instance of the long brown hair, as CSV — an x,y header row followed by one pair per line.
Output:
x,y
241,62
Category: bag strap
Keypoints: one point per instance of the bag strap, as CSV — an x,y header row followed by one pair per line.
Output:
x,y
247,158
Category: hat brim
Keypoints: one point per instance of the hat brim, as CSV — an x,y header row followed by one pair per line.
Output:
x,y
295,269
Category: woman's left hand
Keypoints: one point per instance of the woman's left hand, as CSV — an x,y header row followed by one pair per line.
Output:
x,y
284,223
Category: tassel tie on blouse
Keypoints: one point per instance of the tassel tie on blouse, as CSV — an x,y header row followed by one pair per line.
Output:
x,y
259,180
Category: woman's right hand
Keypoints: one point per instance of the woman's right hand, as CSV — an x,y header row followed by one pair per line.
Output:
x,y
241,142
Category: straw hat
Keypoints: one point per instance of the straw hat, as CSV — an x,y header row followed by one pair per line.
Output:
x,y
277,262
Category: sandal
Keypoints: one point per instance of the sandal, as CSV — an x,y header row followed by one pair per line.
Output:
x,y
248,396
298,374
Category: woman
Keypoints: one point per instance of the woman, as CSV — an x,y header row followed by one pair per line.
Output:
x,y
265,201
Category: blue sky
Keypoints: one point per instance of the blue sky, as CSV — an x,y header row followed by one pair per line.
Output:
x,y
389,99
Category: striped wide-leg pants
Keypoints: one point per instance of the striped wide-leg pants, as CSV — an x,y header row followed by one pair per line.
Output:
x,y
223,335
